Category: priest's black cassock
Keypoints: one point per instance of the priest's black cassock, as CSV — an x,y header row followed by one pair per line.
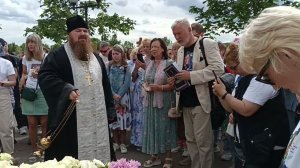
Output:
x,y
56,82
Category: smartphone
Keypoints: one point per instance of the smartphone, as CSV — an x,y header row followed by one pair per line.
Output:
x,y
216,78
140,58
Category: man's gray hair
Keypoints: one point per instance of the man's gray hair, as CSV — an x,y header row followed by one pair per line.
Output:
x,y
104,44
183,21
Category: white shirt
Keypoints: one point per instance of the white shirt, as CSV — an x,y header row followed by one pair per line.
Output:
x,y
6,69
259,93
31,65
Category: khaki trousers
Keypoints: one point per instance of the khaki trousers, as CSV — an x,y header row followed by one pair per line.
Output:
x,y
6,122
199,136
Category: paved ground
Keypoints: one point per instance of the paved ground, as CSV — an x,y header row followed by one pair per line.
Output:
x,y
23,151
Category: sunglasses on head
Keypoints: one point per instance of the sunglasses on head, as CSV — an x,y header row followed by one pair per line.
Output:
x,y
262,76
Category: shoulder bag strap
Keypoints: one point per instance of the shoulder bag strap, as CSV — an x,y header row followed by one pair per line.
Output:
x,y
203,51
210,83
37,83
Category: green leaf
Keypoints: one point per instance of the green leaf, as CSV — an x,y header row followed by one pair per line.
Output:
x,y
231,15
51,23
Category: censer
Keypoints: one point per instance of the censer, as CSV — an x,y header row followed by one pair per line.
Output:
x,y
45,143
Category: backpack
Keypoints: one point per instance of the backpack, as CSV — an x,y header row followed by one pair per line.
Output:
x,y
218,113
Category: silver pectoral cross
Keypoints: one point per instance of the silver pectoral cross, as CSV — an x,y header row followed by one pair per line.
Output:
x,y
89,79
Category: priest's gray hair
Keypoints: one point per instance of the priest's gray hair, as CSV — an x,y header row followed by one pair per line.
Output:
x,y
183,21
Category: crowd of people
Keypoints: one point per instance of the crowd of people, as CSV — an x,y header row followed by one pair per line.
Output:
x,y
74,92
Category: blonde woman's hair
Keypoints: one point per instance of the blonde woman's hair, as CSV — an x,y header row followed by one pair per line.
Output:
x,y
38,50
133,53
274,31
119,49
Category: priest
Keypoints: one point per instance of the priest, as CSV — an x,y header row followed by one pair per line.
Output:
x,y
73,73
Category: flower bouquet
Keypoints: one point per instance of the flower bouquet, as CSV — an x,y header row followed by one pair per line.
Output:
x,y
68,162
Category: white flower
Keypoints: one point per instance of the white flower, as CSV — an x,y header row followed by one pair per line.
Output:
x,y
5,156
98,163
87,164
5,163
12,167
23,165
66,162
69,162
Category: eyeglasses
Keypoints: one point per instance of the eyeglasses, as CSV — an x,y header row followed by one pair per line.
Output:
x,y
262,77
103,51
234,67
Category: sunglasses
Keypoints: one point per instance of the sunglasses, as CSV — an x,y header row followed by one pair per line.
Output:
x,y
262,77
103,51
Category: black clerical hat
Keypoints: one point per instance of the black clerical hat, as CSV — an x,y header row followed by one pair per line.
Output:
x,y
75,22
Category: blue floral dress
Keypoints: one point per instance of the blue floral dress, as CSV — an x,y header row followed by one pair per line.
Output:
x,y
137,109
159,130
120,77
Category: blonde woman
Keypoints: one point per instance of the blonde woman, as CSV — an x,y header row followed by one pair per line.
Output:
x,y
270,46
36,110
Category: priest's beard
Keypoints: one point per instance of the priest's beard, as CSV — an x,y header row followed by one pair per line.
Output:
x,y
82,47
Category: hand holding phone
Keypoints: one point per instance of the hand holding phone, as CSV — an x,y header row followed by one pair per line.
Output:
x,y
216,78
140,58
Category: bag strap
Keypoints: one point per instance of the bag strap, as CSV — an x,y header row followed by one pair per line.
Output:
x,y
37,83
203,51
211,94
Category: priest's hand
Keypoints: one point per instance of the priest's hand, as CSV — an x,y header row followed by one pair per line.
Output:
x,y
74,95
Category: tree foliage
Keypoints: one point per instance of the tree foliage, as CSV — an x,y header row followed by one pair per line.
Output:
x,y
128,44
114,40
230,16
52,20
13,48
167,41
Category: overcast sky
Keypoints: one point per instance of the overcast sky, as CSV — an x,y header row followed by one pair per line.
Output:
x,y
154,18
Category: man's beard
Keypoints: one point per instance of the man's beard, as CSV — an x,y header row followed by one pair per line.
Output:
x,y
81,48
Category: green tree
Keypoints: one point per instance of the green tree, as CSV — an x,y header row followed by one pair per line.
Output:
x,y
22,47
52,21
13,48
230,16
128,44
114,40
95,43
167,41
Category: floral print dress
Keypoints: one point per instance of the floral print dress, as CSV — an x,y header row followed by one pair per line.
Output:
x,y
137,109
159,130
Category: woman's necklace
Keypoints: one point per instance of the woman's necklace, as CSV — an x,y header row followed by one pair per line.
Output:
x,y
86,67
